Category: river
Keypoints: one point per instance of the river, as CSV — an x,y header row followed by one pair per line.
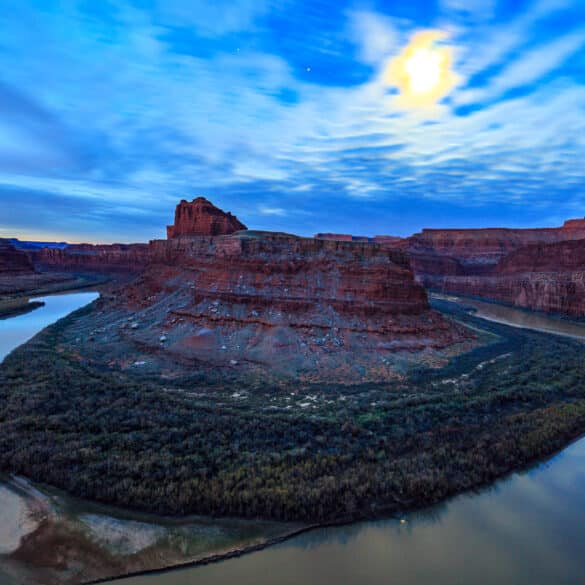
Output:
x,y
526,529
521,318
17,330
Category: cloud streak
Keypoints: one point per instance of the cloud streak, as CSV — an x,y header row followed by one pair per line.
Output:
x,y
281,114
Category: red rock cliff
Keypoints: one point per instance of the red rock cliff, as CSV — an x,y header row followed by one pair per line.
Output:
x,y
278,302
13,261
437,253
202,218
131,258
546,277
534,268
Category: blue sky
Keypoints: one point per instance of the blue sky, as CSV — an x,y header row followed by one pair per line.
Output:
x,y
112,111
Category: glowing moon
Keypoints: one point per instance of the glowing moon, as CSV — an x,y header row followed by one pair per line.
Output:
x,y
423,70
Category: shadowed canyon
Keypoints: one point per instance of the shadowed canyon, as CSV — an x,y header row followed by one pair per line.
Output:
x,y
287,381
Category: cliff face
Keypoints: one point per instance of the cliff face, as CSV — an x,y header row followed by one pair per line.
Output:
x,y
280,268
131,258
477,251
559,257
280,303
202,218
13,261
553,292
546,277
533,268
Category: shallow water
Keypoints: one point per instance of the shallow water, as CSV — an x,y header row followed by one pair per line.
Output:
x,y
17,330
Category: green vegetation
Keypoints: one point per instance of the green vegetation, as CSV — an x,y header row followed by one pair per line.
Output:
x,y
314,453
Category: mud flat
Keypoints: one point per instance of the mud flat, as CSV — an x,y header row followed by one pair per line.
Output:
x,y
49,538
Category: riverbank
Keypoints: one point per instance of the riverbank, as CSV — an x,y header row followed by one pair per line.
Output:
x,y
50,538
17,290
518,316
405,520
516,531
19,306
405,436
494,410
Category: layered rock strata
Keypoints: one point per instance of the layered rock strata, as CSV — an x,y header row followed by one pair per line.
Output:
x,y
132,258
545,277
13,261
283,303
272,303
437,253
201,218
533,268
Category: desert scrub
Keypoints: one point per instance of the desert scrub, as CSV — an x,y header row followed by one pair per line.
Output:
x,y
317,453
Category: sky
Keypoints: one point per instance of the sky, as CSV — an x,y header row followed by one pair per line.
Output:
x,y
301,117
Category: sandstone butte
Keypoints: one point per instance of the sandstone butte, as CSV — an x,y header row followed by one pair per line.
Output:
x,y
202,218
274,301
197,218
13,261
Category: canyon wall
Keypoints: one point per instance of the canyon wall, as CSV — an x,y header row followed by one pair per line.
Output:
x,y
277,303
131,258
553,292
535,269
476,252
13,261
278,268
546,277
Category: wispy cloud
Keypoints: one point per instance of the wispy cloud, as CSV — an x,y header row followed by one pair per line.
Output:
x,y
280,113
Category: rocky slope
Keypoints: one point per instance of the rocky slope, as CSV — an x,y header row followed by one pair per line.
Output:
x,y
273,302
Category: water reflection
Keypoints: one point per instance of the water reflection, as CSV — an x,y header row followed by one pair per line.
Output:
x,y
529,528
17,330
520,318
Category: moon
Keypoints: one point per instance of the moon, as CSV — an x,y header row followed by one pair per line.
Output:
x,y
422,71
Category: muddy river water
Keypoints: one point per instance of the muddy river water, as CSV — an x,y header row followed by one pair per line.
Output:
x,y
526,529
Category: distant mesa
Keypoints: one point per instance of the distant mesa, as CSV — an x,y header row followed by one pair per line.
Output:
x,y
341,237
201,218
13,261
574,224
385,240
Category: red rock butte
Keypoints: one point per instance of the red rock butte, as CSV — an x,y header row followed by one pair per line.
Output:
x,y
269,301
202,218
